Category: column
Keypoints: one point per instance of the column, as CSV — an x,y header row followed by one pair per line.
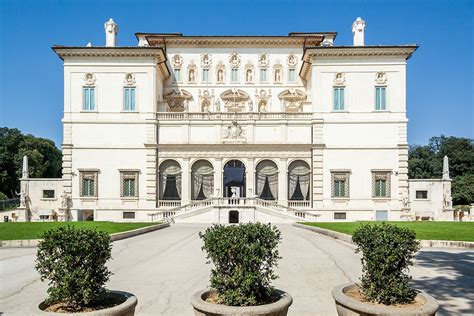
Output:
x,y
185,182
282,181
218,178
250,178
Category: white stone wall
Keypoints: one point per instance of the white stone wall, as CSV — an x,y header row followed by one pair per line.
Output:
x,y
434,206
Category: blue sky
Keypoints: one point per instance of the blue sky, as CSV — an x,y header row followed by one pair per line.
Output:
x,y
439,76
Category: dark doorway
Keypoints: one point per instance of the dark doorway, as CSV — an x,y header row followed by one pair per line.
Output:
x,y
233,217
234,179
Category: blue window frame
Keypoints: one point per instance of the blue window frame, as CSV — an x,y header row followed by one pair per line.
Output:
x,y
338,99
234,75
88,103
129,95
263,75
291,75
380,98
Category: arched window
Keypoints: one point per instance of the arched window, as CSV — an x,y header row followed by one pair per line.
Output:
x,y
170,180
299,178
202,176
266,178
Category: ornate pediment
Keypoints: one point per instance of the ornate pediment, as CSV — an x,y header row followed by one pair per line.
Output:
x,y
292,100
235,100
178,100
206,60
339,79
129,80
177,60
234,60
381,77
263,60
292,60
89,79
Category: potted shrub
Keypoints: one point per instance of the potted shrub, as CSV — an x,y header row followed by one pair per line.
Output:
x,y
243,258
74,262
387,253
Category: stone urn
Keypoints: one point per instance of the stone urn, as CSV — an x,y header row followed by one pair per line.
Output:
x,y
277,308
126,308
348,306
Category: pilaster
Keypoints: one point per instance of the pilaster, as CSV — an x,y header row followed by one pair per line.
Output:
x,y
283,181
185,182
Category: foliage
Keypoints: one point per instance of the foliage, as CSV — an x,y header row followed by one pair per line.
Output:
x,y
3,196
426,162
244,257
74,262
33,230
425,230
387,253
44,159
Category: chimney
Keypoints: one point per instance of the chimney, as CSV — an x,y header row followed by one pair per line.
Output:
x,y
111,30
358,31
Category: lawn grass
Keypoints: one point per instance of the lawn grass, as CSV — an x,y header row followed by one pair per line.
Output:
x,y
31,230
458,231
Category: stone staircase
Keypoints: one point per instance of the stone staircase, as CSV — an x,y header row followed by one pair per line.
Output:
x,y
271,208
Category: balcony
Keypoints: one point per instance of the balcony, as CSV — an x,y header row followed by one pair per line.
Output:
x,y
170,116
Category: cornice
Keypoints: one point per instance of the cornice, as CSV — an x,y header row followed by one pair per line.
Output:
x,y
299,41
310,53
155,52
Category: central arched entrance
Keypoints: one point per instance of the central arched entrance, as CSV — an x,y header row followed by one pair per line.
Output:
x,y
234,179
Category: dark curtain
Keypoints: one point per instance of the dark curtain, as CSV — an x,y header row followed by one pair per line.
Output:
x,y
234,176
201,195
307,194
171,192
297,194
266,192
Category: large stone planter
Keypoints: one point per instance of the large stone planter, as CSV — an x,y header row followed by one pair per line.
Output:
x,y
127,308
347,306
201,307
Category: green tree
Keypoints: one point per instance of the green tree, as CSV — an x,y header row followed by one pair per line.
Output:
x,y
426,162
44,158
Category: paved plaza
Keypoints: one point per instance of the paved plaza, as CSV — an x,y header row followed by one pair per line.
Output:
x,y
166,267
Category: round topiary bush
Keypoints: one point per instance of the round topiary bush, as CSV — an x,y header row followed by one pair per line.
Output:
x,y
387,253
244,257
74,262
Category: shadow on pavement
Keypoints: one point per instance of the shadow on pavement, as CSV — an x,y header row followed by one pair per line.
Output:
x,y
453,286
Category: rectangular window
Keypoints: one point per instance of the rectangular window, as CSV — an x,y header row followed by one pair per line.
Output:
x,y
263,75
88,99
234,75
381,184
88,185
129,99
128,215
291,75
48,194
381,215
338,99
177,75
205,75
129,184
340,184
423,195
380,99
341,215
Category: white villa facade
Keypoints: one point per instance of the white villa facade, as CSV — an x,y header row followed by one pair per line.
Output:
x,y
235,128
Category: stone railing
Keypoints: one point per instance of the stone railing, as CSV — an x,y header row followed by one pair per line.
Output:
x,y
230,115
299,204
167,215
174,203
